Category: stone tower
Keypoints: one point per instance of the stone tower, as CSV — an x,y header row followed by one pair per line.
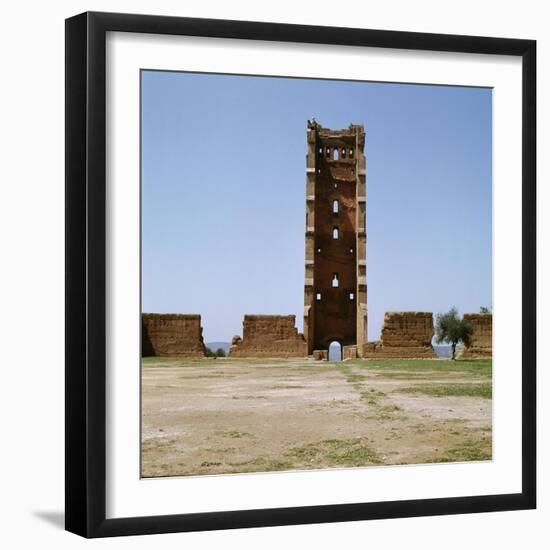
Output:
x,y
335,292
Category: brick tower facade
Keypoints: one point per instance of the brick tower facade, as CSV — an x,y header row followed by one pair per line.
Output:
x,y
335,292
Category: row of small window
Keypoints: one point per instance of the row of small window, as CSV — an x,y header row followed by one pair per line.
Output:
x,y
351,250
335,153
318,295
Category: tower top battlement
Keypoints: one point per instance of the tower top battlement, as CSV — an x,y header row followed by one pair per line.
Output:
x,y
351,131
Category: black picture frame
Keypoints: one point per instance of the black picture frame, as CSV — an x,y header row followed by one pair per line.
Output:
x,y
86,274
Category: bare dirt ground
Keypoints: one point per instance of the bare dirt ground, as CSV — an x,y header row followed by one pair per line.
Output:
x,y
213,416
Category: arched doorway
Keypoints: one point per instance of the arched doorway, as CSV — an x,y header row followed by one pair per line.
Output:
x,y
335,351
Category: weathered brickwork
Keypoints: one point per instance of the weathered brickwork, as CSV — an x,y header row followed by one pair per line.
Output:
x,y
269,336
349,352
481,344
320,354
405,335
171,334
335,291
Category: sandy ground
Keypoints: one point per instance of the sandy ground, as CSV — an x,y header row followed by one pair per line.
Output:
x,y
211,416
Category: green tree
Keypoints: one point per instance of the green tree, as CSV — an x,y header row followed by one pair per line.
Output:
x,y
484,310
220,352
451,328
209,352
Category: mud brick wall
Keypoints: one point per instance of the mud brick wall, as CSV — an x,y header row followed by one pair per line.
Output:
x,y
320,354
481,344
349,352
405,335
171,334
407,329
269,336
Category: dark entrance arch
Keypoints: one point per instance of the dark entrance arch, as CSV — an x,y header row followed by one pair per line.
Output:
x,y
335,351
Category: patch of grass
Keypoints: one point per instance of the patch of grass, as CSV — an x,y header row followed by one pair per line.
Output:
x,y
220,450
176,361
160,443
249,397
335,452
470,450
212,375
478,367
484,391
407,375
354,378
390,408
234,434
286,387
261,464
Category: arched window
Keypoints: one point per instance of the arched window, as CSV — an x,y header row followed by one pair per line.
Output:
x,y
327,152
351,296
336,155
343,152
318,296
321,152
335,206
335,281
351,152
335,233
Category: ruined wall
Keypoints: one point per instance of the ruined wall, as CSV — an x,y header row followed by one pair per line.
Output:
x,y
269,336
482,337
171,334
405,335
349,353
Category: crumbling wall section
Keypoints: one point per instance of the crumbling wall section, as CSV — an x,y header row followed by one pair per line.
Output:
x,y
269,336
481,344
405,335
171,334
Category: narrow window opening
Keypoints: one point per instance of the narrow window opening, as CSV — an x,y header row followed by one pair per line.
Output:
x,y
335,186
335,233
336,154
318,296
335,281
351,152
327,152
343,152
335,206
351,296
320,151
318,251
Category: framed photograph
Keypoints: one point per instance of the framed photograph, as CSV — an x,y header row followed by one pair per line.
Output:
x,y
300,275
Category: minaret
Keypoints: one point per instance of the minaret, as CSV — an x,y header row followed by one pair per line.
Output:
x,y
335,291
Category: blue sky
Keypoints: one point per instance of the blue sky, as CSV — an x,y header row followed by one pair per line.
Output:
x,y
223,194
